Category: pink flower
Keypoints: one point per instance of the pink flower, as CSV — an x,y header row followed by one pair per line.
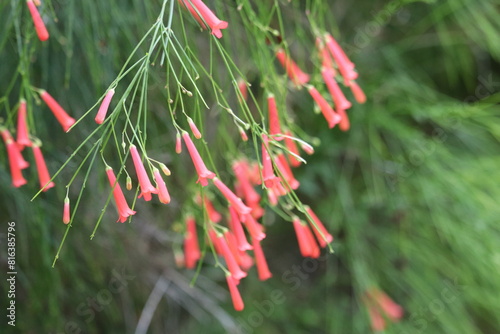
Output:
x,y
16,153
199,165
231,263
318,228
268,176
231,197
376,319
330,115
294,72
194,129
235,293
62,117
146,187
163,194
103,109
274,120
66,212
15,162
344,124
254,228
241,171
237,229
359,95
40,28
43,172
212,214
326,60
307,245
191,248
121,203
243,89
260,260
197,8
390,308
292,147
346,67
178,144
22,127
286,171
339,99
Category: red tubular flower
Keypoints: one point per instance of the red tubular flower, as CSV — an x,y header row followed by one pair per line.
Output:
x,y
235,293
15,163
268,176
346,67
124,210
243,134
292,147
22,127
286,171
272,197
163,194
260,260
390,308
232,265
237,229
62,117
194,129
146,187
319,229
376,319
344,124
330,115
40,28
234,200
307,245
66,213
254,228
18,157
43,172
199,165
274,120
103,109
212,214
339,99
178,143
243,88
294,72
326,60
241,171
359,95
191,248
308,148
242,258
197,8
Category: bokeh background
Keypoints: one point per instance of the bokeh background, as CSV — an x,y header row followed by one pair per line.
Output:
x,y
410,192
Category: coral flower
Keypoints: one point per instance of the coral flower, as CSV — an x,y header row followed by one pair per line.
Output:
x,y
241,172
274,120
15,162
212,214
232,265
326,60
292,147
339,99
199,165
318,228
346,67
194,129
22,127
376,319
40,28
178,143
66,211
62,117
268,176
197,8
330,115
124,210
103,109
191,247
243,89
344,124
43,172
390,308
18,157
235,293
358,93
237,229
231,197
294,72
260,260
307,245
146,187
286,171
163,194
254,228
